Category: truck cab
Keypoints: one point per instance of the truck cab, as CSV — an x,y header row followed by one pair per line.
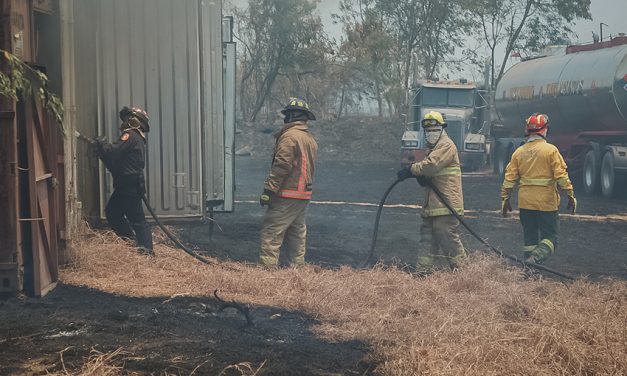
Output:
x,y
461,104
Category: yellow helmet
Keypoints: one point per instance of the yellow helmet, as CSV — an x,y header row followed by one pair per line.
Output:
x,y
433,118
297,104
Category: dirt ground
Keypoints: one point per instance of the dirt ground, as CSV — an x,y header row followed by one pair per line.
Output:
x,y
57,333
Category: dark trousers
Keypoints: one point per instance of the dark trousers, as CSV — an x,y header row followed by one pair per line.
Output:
x,y
125,215
538,225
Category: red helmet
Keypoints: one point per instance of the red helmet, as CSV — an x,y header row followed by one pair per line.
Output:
x,y
536,123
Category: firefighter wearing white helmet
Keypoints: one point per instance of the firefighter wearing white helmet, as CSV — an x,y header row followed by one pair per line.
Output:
x,y
539,169
288,187
440,245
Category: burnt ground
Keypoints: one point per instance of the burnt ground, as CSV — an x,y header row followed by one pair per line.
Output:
x,y
177,337
341,217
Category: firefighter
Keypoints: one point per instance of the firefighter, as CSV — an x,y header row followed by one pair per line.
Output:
x,y
538,168
125,159
288,187
440,245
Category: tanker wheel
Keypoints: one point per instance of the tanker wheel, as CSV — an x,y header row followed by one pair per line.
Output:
x,y
590,173
608,175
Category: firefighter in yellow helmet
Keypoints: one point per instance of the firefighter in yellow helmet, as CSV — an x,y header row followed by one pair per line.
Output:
x,y
440,245
288,187
538,168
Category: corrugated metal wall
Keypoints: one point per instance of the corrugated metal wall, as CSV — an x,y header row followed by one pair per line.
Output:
x,y
165,56
147,57
213,103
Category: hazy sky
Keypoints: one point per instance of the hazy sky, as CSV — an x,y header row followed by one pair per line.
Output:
x,y
611,12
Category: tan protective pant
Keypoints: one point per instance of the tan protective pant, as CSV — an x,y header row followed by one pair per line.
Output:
x,y
440,246
284,219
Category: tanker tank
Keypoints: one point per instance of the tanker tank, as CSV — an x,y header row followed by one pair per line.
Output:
x,y
583,90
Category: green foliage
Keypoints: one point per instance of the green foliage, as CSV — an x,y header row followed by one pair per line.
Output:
x,y
364,55
26,81
400,42
387,45
523,25
283,40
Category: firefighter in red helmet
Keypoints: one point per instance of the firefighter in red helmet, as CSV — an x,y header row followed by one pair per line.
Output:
x,y
537,167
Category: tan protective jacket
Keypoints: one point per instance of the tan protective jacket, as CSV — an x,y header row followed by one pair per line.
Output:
x,y
443,167
538,168
293,163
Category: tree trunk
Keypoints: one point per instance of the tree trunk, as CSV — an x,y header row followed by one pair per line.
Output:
x,y
266,88
512,40
377,86
339,111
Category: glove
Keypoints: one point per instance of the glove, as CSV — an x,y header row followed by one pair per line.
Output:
x,y
404,173
101,139
572,203
264,199
506,207
423,180
98,144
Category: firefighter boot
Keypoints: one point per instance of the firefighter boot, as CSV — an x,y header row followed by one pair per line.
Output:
x,y
541,252
528,251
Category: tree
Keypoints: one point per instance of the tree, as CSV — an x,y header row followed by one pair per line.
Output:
x,y
526,25
280,38
425,33
22,80
402,40
364,52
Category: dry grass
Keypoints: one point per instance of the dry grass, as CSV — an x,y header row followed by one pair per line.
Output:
x,y
486,319
97,364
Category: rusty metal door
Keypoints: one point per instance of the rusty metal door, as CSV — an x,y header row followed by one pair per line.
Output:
x,y
39,213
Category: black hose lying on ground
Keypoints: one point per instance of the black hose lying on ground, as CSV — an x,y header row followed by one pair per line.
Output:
x,y
461,220
172,237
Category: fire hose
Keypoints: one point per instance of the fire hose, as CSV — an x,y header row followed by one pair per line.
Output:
x,y
171,236
438,193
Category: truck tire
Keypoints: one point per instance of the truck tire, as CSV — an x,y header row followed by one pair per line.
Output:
x,y
591,167
608,175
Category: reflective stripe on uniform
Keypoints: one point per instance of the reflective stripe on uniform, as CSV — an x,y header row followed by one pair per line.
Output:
x,y
269,260
564,181
441,211
536,181
301,193
548,244
508,184
288,193
449,171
